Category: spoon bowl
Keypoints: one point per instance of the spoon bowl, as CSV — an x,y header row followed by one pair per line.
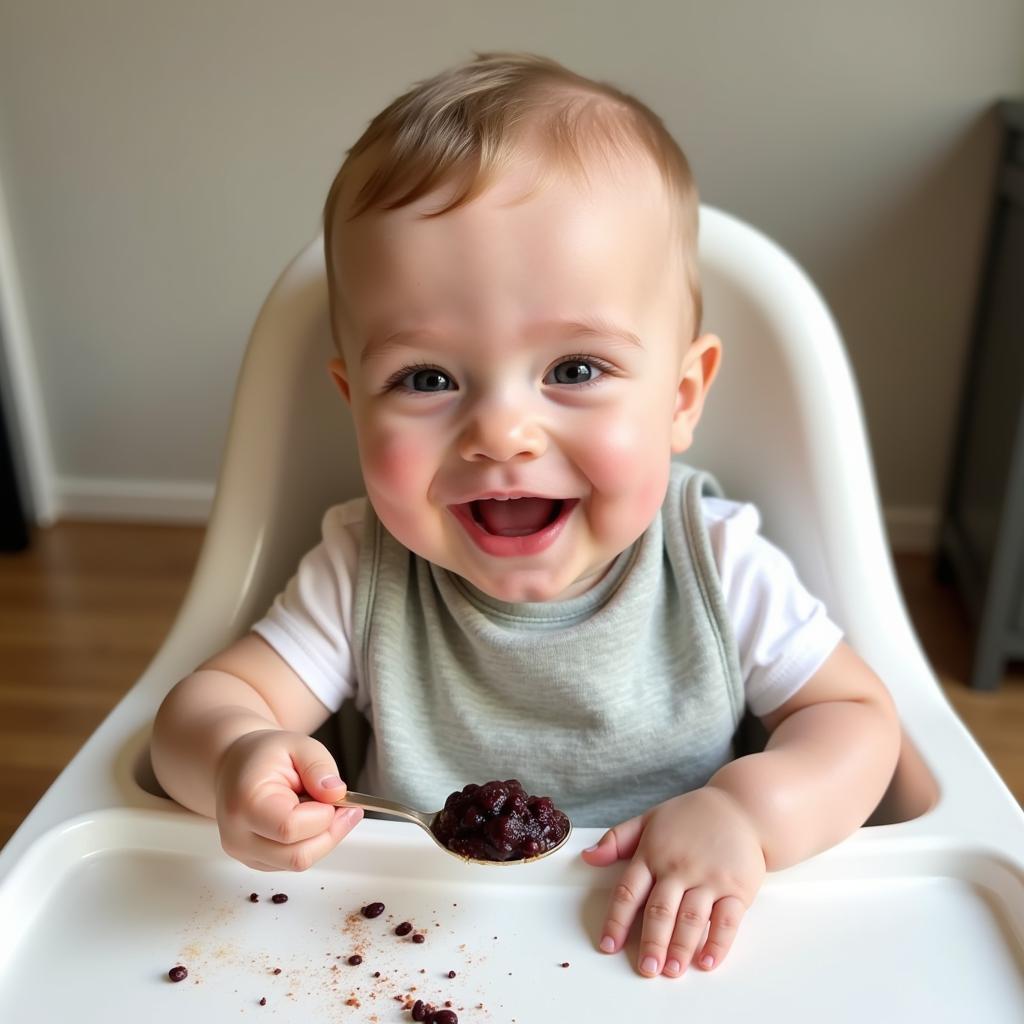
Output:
x,y
428,819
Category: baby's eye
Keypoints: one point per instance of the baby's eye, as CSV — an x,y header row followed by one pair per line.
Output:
x,y
428,380
576,370
423,379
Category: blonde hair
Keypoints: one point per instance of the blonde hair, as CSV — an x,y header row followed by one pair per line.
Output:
x,y
465,125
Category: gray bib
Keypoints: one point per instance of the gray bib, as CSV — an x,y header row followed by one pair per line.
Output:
x,y
609,702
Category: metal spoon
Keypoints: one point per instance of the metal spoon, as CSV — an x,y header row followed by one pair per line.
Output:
x,y
427,819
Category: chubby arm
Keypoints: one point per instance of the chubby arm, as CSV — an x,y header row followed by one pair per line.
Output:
x,y
231,741
245,688
699,859
832,751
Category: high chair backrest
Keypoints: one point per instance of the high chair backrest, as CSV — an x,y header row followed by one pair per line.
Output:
x,y
782,427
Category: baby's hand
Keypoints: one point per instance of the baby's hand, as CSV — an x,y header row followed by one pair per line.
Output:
x,y
696,857
262,821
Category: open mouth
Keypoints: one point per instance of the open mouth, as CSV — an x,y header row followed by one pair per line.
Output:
x,y
515,517
514,527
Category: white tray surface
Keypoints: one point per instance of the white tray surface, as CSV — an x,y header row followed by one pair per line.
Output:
x,y
96,912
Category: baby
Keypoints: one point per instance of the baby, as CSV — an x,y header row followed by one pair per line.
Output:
x,y
533,587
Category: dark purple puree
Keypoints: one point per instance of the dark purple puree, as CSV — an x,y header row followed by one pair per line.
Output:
x,y
498,821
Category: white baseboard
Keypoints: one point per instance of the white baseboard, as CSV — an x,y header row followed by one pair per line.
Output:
x,y
912,529
157,501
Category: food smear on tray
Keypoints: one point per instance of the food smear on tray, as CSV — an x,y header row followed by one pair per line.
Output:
x,y
498,821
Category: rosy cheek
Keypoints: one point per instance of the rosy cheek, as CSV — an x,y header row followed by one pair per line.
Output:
x,y
624,455
392,461
398,468
628,467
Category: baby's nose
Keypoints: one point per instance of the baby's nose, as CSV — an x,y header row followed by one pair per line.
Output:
x,y
501,432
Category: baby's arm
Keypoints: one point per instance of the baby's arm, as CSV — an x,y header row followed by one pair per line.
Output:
x,y
700,858
831,754
232,741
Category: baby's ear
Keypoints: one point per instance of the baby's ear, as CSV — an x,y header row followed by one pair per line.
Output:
x,y
339,374
700,365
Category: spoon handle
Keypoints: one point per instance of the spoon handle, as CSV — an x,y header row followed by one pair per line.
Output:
x,y
378,803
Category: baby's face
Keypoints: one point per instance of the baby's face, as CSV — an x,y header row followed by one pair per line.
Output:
x,y
525,350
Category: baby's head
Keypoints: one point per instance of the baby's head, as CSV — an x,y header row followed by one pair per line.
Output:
x,y
511,262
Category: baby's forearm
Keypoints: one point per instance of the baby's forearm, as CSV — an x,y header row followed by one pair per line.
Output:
x,y
197,722
822,773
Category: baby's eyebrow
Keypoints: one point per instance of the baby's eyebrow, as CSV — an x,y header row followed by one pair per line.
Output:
x,y
585,326
378,344
588,325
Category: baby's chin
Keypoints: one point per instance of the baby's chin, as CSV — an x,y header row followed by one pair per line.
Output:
x,y
531,587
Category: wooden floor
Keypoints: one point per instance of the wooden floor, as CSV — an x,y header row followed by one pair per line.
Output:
x,y
85,608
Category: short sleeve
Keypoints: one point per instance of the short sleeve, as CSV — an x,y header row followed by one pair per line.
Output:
x,y
783,632
310,622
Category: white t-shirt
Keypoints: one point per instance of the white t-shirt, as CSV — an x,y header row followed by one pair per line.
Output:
x,y
783,633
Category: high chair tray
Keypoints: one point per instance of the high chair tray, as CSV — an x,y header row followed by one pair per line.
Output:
x,y
98,910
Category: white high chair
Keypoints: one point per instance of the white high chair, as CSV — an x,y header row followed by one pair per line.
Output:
x,y
783,428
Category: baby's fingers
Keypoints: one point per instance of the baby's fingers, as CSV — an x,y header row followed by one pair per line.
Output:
x,y
689,929
627,899
265,854
725,919
659,922
618,843
277,814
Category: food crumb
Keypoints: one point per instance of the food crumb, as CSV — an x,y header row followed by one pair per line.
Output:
x,y
352,1001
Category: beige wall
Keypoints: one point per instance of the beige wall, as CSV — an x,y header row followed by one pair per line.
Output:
x,y
162,161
